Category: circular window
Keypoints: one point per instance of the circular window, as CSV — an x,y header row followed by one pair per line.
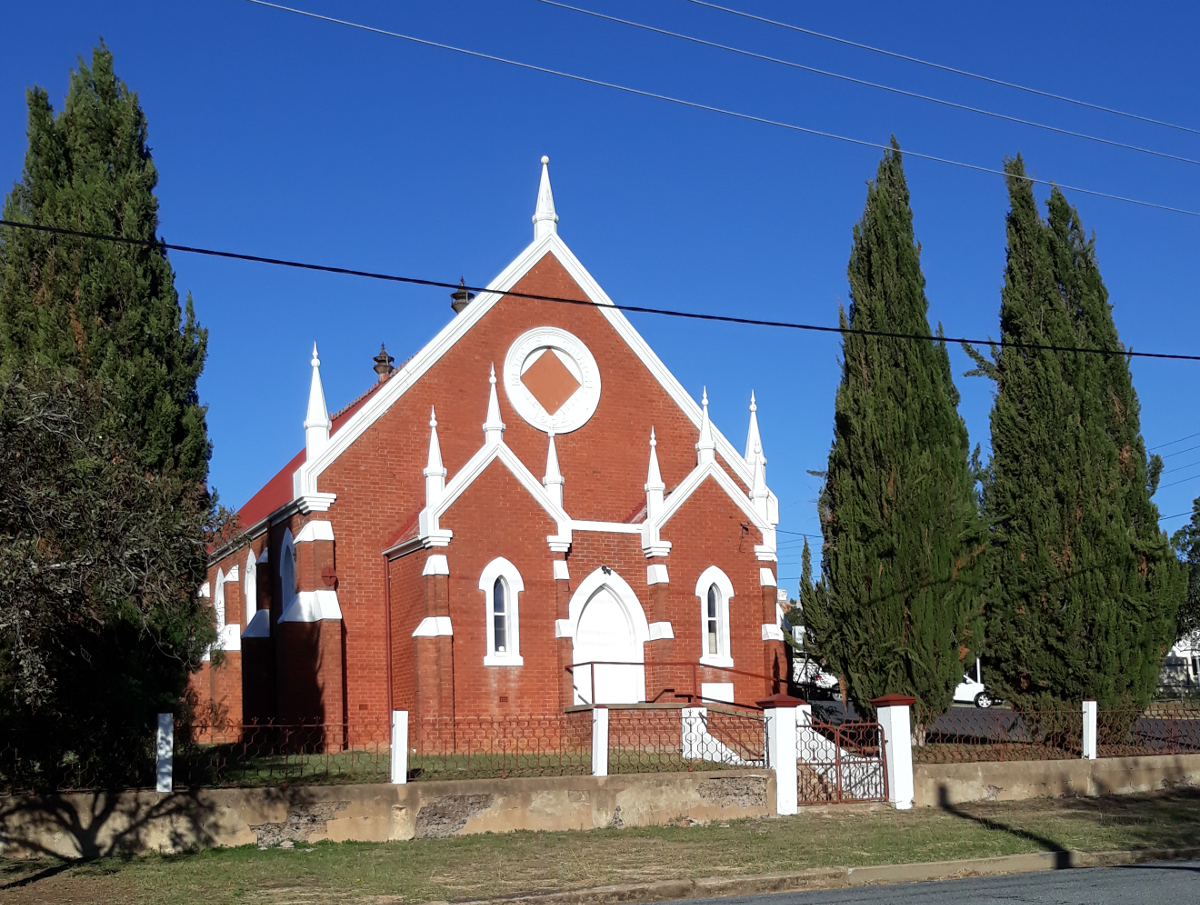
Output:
x,y
552,380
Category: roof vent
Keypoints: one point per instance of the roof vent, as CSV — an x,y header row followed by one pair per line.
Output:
x,y
461,297
383,364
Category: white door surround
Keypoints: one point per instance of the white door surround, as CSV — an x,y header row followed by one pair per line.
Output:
x,y
608,624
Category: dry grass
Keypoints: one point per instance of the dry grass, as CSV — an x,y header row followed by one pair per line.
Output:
x,y
489,865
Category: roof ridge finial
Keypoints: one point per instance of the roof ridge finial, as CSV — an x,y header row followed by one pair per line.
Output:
x,y
316,422
706,446
545,220
553,481
435,471
493,427
654,482
753,437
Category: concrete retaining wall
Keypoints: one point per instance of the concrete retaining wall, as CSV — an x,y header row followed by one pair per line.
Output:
x,y
941,784
92,825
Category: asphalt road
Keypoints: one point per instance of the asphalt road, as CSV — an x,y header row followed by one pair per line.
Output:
x,y
1159,884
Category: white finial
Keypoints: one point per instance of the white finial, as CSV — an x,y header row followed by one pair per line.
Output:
x,y
752,436
553,481
493,427
654,482
706,447
545,220
759,495
316,422
435,472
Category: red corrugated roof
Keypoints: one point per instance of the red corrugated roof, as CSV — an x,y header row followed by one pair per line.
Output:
x,y
277,492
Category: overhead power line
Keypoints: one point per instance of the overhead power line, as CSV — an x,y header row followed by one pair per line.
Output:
x,y
636,309
945,68
1173,442
735,114
877,85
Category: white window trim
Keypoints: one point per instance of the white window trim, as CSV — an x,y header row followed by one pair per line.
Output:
x,y
250,587
219,602
502,568
709,577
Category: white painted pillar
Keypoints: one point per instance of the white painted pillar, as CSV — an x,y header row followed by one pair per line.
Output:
x,y
600,741
893,717
399,760
779,712
1089,730
164,747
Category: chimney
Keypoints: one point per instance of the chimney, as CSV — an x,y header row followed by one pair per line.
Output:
x,y
461,297
383,364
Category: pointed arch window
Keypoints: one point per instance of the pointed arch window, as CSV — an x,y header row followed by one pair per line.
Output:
x,y
502,586
714,591
287,571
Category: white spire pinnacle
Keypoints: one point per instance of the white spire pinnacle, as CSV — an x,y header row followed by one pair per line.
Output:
x,y
545,220
654,482
493,428
752,437
553,481
316,423
435,472
706,446
759,495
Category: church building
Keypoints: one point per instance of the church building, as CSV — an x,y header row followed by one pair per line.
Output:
x,y
531,513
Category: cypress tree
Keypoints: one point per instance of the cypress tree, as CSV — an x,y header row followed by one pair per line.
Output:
x,y
1082,587
105,512
902,535
1186,542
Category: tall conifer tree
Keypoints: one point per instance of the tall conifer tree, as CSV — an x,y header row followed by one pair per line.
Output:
x,y
1082,588
105,512
902,536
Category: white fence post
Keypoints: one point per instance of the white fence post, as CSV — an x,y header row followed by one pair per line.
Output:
x,y
399,759
1089,730
893,711
779,712
600,740
164,747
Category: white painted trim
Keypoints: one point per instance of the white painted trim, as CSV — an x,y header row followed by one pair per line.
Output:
x,y
766,577
259,626
607,527
313,606
218,602
250,589
661,630
576,411
312,502
232,574
563,628
717,691
593,583
434,627
205,590
500,569
781,596
265,556
771,632
709,577
318,529
401,381
691,484
229,638
436,564
656,573
561,571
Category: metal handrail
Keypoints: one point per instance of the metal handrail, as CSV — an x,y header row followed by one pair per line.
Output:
x,y
694,694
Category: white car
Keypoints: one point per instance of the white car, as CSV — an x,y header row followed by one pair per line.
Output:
x,y
971,689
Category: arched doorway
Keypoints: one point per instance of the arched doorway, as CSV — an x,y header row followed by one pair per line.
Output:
x,y
609,631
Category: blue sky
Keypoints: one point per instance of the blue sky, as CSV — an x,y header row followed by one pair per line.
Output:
x,y
288,137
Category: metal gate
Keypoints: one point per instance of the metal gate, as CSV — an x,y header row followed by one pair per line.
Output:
x,y
839,763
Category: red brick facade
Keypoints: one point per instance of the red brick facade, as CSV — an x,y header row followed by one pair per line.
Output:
x,y
384,616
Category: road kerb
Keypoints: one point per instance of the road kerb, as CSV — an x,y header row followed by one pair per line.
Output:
x,y
837,877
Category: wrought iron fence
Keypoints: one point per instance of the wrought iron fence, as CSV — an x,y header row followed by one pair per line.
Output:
x,y
840,763
501,746
674,738
221,754
55,760
1161,728
967,735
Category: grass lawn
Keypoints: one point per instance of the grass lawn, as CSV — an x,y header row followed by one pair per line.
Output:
x,y
491,865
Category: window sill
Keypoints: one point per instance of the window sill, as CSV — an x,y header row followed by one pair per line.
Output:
x,y
503,660
715,660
